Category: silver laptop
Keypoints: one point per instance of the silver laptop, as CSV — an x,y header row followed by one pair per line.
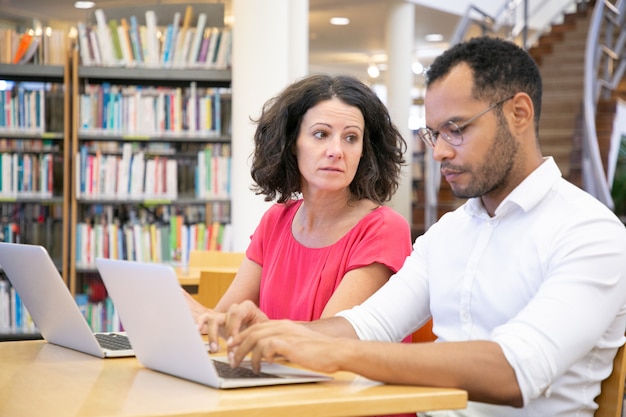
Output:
x,y
164,335
45,295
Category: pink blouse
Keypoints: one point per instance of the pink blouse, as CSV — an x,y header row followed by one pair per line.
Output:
x,y
297,281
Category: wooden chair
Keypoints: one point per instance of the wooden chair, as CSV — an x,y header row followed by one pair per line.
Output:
x,y
215,259
213,284
217,270
611,397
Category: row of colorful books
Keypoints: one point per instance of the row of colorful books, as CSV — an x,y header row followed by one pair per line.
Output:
x,y
14,317
167,243
136,110
26,175
124,42
130,176
22,109
28,145
45,46
100,315
135,176
33,223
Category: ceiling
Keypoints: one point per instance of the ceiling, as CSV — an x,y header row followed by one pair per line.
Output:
x,y
347,49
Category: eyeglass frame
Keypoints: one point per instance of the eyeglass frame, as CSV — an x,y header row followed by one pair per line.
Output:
x,y
431,138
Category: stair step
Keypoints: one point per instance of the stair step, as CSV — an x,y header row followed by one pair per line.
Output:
x,y
559,83
561,60
548,107
557,120
556,135
563,96
565,70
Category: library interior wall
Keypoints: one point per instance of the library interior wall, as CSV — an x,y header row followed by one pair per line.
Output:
x,y
270,50
400,25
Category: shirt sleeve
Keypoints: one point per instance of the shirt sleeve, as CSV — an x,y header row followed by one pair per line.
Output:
x,y
384,238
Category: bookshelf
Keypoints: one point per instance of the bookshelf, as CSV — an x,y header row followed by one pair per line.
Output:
x,y
150,172
34,165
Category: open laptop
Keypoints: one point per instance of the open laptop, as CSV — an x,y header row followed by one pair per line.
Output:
x,y
38,282
163,332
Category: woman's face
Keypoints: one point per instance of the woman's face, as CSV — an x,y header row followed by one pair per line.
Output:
x,y
329,146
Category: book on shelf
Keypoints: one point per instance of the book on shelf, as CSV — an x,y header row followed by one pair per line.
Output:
x,y
135,234
168,111
26,175
23,109
154,242
14,317
26,47
174,44
97,307
34,223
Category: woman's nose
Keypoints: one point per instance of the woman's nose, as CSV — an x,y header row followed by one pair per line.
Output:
x,y
334,149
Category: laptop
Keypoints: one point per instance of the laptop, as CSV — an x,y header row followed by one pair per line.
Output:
x,y
164,335
45,295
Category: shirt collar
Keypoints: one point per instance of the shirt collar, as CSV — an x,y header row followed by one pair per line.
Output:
x,y
526,195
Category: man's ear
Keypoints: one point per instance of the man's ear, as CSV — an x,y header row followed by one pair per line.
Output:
x,y
521,112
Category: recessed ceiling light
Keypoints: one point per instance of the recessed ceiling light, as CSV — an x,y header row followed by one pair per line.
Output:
x,y
84,4
417,67
339,21
373,71
434,37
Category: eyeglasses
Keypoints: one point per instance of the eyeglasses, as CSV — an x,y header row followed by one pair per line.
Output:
x,y
450,131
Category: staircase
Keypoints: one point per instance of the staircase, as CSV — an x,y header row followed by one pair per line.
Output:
x,y
560,55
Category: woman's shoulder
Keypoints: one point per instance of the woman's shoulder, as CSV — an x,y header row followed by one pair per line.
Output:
x,y
383,221
388,216
280,210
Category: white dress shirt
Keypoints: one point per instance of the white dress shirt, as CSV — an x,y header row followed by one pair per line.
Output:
x,y
545,278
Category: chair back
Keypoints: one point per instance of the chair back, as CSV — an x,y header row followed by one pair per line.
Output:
x,y
213,285
611,398
215,258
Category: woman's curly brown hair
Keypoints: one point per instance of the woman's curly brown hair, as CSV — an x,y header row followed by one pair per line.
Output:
x,y
274,166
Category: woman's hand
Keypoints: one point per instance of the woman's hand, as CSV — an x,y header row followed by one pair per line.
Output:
x,y
209,321
241,316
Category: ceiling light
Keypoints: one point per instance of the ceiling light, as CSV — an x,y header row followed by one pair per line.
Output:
x,y
339,21
84,4
417,68
373,71
434,37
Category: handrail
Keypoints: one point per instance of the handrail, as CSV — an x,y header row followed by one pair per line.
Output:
x,y
486,22
605,63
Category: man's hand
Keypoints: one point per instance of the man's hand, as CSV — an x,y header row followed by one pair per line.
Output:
x,y
295,342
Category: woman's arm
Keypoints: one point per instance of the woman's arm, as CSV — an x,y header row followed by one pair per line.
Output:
x,y
357,285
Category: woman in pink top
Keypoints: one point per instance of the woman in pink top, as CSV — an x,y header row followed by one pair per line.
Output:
x,y
327,152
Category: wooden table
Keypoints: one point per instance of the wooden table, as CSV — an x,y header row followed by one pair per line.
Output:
x,y
41,379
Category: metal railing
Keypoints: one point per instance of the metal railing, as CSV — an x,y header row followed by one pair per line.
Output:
x,y
605,62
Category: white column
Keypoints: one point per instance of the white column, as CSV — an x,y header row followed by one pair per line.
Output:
x,y
400,35
270,50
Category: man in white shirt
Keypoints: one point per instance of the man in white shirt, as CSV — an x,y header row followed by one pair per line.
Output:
x,y
525,283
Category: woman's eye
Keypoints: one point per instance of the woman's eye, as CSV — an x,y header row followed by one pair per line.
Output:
x,y
352,138
320,134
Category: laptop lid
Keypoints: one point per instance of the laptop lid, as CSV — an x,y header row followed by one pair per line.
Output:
x,y
162,330
38,282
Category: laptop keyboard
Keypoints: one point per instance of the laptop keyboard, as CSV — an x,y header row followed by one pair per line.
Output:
x,y
225,371
113,341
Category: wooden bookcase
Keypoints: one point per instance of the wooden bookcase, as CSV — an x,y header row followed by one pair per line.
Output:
x,y
117,213
202,205
35,165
